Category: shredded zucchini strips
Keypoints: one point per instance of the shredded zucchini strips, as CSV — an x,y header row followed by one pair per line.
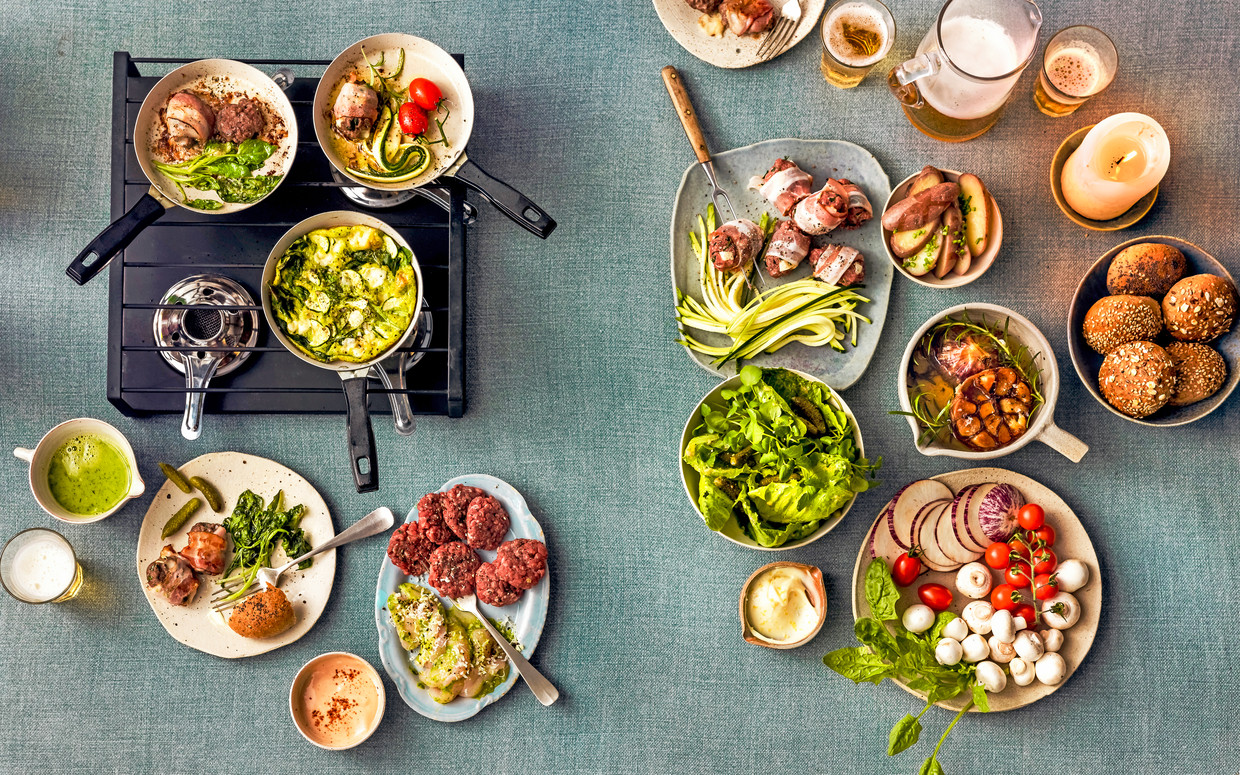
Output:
x,y
807,311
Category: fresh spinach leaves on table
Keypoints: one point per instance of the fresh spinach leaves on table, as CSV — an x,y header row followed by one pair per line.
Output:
x,y
897,653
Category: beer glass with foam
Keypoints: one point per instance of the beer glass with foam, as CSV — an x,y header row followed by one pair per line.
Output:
x,y
1078,63
856,35
964,71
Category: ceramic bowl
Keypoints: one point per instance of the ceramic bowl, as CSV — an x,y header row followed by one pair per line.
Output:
x,y
690,477
977,267
1042,427
817,593
1087,361
1122,221
296,705
40,459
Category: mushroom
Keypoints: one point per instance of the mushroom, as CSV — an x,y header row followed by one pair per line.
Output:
x,y
991,677
956,629
1019,623
918,618
1061,611
975,648
1001,651
1051,669
948,652
973,580
1003,625
977,615
1053,639
1072,575
1029,645
1022,671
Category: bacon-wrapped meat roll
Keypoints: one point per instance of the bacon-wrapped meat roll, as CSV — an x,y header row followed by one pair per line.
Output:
x,y
838,265
748,17
783,185
839,203
787,248
859,208
735,244
173,576
205,549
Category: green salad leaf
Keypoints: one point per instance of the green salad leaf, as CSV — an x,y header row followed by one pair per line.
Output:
x,y
228,169
256,528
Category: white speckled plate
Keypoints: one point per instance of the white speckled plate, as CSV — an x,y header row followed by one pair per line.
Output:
x,y
1071,542
822,159
729,51
233,473
526,616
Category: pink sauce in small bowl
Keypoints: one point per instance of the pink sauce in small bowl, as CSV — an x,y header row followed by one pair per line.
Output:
x,y
337,700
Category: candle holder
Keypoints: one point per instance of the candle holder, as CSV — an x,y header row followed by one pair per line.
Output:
x,y
1129,217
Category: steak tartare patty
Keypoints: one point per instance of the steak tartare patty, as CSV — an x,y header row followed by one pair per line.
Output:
x,y
409,550
452,569
455,505
431,517
521,562
486,523
493,590
240,120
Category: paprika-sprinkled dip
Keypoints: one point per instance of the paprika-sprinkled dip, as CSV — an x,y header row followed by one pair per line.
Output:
x,y
337,700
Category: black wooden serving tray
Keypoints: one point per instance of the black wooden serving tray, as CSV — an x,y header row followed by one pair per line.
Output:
x,y
184,242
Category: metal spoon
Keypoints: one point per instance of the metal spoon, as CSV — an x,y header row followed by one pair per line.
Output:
x,y
539,685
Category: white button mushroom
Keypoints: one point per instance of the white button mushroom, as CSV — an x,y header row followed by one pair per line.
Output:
x,y
1019,623
991,677
1061,611
975,648
1003,626
1072,575
1053,640
918,618
977,615
973,580
956,629
1051,669
1001,651
1029,645
1022,671
948,652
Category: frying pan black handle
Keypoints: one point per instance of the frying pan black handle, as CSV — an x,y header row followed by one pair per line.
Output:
x,y
361,436
506,199
114,239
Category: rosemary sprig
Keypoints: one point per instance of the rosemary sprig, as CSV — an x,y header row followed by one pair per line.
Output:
x,y
932,423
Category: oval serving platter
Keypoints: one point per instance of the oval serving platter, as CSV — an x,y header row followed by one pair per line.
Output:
x,y
233,473
526,616
1072,542
822,159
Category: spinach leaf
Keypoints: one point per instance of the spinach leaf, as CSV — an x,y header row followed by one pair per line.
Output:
x,y
228,169
252,153
204,204
936,632
903,735
858,665
979,698
880,591
246,190
873,634
931,767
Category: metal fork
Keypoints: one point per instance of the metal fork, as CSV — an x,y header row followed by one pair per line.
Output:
x,y
375,522
546,693
779,35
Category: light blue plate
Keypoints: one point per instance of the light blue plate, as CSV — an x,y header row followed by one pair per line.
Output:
x,y
823,159
526,616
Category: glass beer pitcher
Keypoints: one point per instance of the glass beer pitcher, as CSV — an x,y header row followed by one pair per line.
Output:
x,y
956,86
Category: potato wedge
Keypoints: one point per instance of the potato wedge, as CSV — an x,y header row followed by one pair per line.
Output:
x,y
928,177
906,243
953,241
924,260
975,207
915,211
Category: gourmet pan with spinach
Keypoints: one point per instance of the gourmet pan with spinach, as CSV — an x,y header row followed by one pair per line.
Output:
x,y
774,458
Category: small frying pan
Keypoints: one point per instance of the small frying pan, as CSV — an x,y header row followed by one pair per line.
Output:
x,y
352,374
423,59
214,76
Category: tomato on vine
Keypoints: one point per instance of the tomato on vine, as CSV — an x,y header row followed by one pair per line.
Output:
x,y
1005,597
1045,586
1044,561
1026,611
999,555
1031,516
1046,534
1018,574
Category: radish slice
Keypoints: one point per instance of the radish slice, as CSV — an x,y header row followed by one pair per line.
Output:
x,y
949,544
960,521
908,503
927,537
882,545
991,512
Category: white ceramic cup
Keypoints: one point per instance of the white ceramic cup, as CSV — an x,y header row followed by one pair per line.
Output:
x,y
39,459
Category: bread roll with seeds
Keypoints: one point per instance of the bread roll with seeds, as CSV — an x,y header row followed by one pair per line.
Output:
x,y
1199,308
1116,320
1148,269
1200,372
1137,378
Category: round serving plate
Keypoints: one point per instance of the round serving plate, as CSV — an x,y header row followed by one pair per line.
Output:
x,y
1072,542
232,473
526,616
730,51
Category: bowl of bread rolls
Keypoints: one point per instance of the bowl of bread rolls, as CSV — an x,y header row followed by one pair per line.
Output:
x,y
1152,332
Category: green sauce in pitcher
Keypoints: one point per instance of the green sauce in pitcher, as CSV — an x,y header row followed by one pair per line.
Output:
x,y
88,475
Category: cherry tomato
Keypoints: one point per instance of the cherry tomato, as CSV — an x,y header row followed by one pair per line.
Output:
x,y
424,93
1046,586
1005,597
1020,546
412,119
936,596
1018,574
998,555
1046,534
1031,516
1025,610
906,568
1044,561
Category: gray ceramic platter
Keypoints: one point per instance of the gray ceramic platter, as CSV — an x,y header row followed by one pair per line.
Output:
x,y
822,159
1093,286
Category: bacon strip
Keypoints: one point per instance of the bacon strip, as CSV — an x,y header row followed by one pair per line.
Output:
x,y
839,203
735,244
207,543
787,248
783,185
748,17
173,576
838,265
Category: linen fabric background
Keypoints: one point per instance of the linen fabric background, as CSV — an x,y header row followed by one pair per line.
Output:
x,y
577,395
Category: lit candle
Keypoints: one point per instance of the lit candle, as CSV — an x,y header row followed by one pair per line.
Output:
x,y
1121,160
